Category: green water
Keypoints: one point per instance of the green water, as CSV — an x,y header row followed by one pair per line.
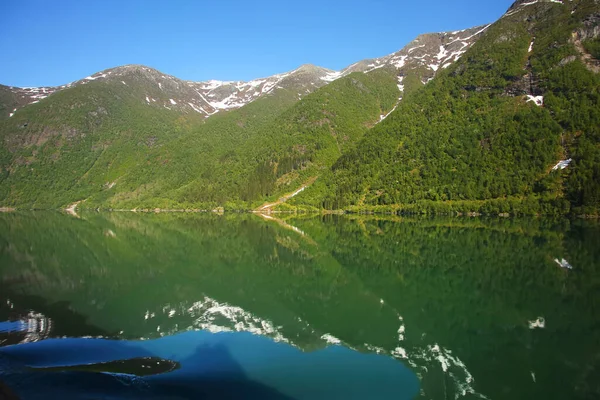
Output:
x,y
473,308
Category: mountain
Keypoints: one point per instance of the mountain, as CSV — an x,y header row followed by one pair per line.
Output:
x,y
426,55
429,51
205,98
80,140
501,118
512,127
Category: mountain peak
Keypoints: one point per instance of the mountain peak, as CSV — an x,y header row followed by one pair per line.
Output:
x,y
428,52
520,4
309,68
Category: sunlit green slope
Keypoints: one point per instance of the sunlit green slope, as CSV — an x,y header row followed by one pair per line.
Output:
x,y
474,139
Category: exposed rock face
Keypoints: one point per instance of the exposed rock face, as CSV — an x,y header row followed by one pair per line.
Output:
x,y
426,55
519,4
432,51
591,28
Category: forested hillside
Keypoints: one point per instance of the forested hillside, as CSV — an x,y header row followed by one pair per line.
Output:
x,y
101,144
54,150
485,135
240,158
502,118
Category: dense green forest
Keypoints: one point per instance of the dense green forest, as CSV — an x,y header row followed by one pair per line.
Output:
x,y
240,158
482,137
57,151
469,140
99,143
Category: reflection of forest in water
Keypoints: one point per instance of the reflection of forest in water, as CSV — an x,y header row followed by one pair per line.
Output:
x,y
484,299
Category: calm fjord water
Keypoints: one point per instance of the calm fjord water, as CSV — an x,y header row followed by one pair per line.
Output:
x,y
124,305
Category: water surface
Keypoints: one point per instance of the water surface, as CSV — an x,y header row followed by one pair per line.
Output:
x,y
127,305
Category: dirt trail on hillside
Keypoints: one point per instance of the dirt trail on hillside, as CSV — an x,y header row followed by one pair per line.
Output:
x,y
590,62
72,209
267,207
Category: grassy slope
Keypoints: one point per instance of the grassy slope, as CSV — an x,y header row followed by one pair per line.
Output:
x,y
247,156
462,140
70,144
98,142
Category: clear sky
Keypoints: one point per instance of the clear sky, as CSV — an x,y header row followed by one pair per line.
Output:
x,y
52,42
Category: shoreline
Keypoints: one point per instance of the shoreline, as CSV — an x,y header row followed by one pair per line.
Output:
x,y
73,209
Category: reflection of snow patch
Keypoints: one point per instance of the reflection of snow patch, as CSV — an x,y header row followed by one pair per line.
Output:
x,y
375,349
331,339
563,263
149,315
452,366
540,322
213,316
399,352
440,357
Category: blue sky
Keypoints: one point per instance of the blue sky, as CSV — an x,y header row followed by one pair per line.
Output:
x,y
54,42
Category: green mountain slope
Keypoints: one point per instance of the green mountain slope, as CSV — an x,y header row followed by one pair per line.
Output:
x,y
260,151
51,148
133,137
102,143
473,139
512,126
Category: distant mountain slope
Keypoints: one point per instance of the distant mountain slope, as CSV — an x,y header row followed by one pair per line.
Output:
x,y
100,138
513,126
239,158
423,57
162,90
429,51
49,147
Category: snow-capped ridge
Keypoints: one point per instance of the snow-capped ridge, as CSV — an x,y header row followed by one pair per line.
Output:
x,y
431,51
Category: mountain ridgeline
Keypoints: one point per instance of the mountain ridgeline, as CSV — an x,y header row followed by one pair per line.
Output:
x,y
502,118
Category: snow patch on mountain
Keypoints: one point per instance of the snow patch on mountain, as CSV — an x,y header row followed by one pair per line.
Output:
x,y
518,6
431,52
331,76
537,100
562,164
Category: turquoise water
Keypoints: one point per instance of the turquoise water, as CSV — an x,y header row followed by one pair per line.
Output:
x,y
125,305
211,365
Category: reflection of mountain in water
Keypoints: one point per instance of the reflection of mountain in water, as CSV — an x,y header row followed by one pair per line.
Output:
x,y
452,298
211,366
